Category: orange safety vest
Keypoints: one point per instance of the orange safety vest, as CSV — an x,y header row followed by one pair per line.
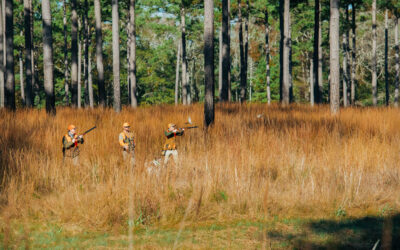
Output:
x,y
72,151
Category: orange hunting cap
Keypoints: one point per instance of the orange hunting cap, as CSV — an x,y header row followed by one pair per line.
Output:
x,y
171,125
71,127
126,124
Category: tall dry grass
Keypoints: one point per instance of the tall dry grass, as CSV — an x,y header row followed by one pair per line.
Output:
x,y
295,161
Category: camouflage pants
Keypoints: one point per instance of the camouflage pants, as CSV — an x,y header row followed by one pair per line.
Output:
x,y
174,154
73,160
129,155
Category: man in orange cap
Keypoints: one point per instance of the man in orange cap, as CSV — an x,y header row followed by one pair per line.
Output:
x,y
170,146
127,143
70,144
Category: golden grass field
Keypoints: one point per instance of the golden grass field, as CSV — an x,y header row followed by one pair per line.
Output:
x,y
256,163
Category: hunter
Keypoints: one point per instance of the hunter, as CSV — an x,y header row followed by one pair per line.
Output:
x,y
170,146
70,143
127,143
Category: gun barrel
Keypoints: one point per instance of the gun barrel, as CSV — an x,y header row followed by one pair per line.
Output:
x,y
190,127
87,131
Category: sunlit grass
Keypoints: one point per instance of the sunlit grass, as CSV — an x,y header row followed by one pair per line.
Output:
x,y
256,162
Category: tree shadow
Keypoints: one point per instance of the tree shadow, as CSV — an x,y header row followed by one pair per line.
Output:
x,y
361,233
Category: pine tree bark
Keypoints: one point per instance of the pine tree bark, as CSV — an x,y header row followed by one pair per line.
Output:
x,y
243,80
312,82
28,53
346,77
353,55
224,92
21,78
374,69
132,54
286,55
220,64
10,82
209,62
397,59
320,59
334,56
90,83
282,36
267,56
66,71
48,58
315,70
178,57
344,88
86,52
184,60
79,67
116,62
99,55
229,52
2,97
74,55
386,59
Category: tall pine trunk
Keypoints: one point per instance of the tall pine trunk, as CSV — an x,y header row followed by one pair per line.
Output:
x,y
345,61
21,78
2,101
267,56
224,92
220,64
243,81
99,55
86,52
74,54
286,54
397,58
10,82
115,51
90,83
132,54
48,58
178,57
66,71
344,88
79,67
315,70
28,53
334,56
386,59
184,60
209,62
374,73
229,52
281,29
312,82
353,55
320,59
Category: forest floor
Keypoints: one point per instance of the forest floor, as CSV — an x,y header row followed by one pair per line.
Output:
x,y
338,233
